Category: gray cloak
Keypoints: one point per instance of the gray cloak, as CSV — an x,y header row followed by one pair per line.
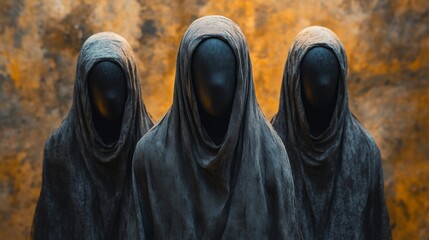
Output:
x,y
86,183
338,175
187,187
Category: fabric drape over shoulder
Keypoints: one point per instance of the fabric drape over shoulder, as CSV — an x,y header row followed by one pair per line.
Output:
x,y
86,183
187,187
338,175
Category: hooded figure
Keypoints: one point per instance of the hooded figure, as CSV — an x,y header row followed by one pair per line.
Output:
x,y
338,174
187,187
86,182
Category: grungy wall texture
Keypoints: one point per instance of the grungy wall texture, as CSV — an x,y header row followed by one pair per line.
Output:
x,y
387,44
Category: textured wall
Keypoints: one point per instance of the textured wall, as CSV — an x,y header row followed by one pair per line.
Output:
x,y
387,44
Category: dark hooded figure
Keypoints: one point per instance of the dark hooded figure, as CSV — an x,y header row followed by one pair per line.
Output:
x,y
336,164
87,160
187,186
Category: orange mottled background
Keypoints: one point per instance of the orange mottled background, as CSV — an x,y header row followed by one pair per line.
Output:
x,y
387,43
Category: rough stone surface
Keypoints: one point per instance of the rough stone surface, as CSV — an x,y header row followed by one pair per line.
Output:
x,y
388,50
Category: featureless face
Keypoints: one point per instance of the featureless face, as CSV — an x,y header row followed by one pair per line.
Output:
x,y
214,76
320,76
107,90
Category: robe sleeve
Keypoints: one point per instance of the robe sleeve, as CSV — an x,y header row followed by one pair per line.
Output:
x,y
49,220
282,195
285,222
378,219
135,222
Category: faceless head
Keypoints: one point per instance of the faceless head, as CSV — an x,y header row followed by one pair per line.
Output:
x,y
107,90
320,76
214,76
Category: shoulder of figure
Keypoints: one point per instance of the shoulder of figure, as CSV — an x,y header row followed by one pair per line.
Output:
x,y
149,148
58,142
371,149
276,160
274,141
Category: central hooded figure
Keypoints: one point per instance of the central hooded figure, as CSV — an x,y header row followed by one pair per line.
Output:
x,y
186,186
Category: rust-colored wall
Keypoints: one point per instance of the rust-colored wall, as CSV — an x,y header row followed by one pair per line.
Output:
x,y
387,44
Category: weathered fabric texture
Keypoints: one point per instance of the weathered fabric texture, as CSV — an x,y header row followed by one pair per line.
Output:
x,y
338,175
187,187
86,183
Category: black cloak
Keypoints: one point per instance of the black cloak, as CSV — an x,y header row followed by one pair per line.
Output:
x,y
187,187
338,175
86,183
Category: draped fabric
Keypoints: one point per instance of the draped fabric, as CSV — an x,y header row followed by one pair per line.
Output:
x,y
187,187
338,175
86,183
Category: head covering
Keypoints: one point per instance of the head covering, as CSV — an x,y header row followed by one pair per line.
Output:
x,y
187,187
84,179
338,175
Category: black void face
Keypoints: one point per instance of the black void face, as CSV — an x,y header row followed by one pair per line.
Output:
x,y
214,76
107,88
214,80
319,73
